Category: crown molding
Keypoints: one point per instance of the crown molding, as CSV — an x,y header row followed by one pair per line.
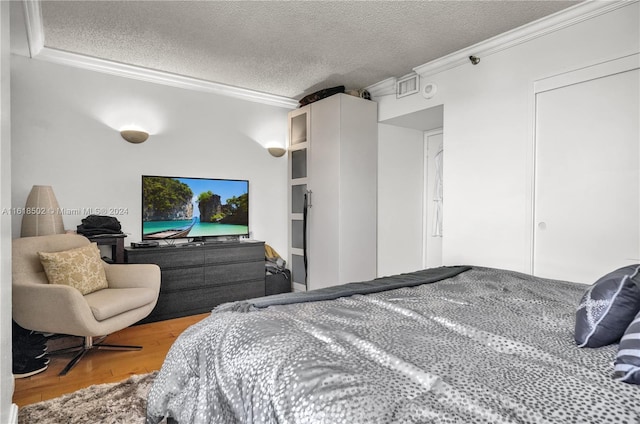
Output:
x,y
161,77
35,35
33,24
385,87
565,18
539,28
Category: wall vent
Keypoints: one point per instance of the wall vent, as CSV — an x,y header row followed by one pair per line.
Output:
x,y
407,85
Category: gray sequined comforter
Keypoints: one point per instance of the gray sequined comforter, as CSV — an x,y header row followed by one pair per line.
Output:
x,y
485,346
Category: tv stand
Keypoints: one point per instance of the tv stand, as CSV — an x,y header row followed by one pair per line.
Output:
x,y
196,277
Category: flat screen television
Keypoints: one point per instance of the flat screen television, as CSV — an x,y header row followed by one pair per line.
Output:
x,y
198,208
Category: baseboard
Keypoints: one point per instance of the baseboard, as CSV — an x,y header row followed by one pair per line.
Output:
x,y
297,287
13,414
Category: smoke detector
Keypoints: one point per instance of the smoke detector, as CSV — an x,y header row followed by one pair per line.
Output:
x,y
429,90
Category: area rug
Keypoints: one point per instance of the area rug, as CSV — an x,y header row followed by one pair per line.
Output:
x,y
112,403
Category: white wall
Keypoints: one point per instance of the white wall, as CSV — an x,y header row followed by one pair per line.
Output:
x,y
400,199
8,412
64,127
488,135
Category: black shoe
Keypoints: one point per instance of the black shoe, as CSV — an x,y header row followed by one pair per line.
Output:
x,y
34,339
20,360
31,351
26,367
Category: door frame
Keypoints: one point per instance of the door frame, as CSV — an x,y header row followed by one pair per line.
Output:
x,y
426,217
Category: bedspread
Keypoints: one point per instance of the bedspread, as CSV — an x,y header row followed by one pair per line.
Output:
x,y
485,346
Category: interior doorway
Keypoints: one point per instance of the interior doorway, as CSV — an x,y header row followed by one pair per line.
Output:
x,y
427,125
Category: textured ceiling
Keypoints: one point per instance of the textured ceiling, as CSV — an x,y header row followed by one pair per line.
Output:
x,y
286,48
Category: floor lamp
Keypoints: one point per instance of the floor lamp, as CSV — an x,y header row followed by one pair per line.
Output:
x,y
41,215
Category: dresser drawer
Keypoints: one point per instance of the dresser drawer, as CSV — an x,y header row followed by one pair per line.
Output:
x,y
167,257
237,253
191,302
231,273
181,279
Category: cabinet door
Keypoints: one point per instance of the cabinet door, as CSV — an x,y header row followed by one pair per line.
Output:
x,y
299,127
325,183
587,178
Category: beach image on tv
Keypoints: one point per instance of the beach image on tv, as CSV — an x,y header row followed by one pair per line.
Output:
x,y
193,207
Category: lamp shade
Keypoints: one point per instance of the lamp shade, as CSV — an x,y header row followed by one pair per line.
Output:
x,y
277,151
134,136
41,215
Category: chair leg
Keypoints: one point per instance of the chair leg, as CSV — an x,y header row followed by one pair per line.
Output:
x,y
86,347
117,347
73,362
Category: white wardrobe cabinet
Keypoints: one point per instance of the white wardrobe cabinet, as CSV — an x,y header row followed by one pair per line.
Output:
x,y
333,170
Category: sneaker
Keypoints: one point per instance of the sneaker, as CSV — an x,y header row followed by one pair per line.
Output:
x,y
31,339
35,337
20,333
31,351
26,367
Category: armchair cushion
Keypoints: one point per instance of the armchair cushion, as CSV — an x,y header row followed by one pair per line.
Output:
x,y
81,268
108,303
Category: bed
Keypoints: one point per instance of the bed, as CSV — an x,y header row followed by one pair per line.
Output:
x,y
444,345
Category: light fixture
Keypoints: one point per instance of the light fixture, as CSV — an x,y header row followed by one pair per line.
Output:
x,y
41,215
134,136
276,151
474,60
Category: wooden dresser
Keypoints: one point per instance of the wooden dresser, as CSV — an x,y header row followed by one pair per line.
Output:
x,y
196,277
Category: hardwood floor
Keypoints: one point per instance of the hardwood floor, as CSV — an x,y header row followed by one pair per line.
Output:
x,y
104,366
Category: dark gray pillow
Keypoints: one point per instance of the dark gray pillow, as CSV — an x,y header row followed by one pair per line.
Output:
x,y
608,307
627,365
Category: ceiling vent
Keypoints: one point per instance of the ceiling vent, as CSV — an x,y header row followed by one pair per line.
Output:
x,y
407,85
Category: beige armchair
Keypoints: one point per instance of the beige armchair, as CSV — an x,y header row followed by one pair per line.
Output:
x,y
131,295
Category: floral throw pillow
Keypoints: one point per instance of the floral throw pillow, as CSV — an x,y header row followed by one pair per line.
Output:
x,y
80,268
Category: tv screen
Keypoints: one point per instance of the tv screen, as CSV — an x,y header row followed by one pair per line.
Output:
x,y
176,207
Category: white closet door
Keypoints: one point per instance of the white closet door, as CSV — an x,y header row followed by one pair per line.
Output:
x,y
587,205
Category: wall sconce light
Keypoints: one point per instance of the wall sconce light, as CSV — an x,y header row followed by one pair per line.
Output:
x,y
474,60
44,215
134,136
276,152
